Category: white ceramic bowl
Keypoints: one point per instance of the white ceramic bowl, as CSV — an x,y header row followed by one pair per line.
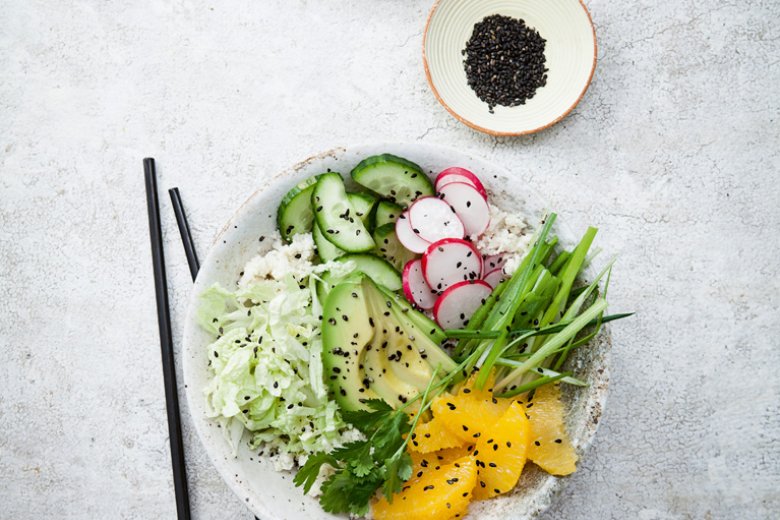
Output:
x,y
570,54
271,495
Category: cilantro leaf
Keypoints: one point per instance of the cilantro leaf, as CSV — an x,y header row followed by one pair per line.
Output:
x,y
397,471
345,493
309,472
358,456
368,421
378,405
388,439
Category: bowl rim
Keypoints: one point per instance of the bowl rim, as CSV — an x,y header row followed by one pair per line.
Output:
x,y
497,133
595,404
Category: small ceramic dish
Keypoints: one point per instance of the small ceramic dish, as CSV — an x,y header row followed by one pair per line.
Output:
x,y
271,495
570,54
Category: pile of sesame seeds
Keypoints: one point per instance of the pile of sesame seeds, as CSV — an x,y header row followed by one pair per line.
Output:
x,y
505,62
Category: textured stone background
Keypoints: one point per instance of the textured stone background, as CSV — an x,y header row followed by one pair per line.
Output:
x,y
673,153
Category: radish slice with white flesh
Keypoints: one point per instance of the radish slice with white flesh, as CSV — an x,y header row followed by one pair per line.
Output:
x,y
433,219
450,261
494,262
456,174
454,308
416,289
495,277
408,238
469,205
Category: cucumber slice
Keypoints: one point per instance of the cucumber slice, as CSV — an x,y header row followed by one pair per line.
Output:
x,y
364,206
325,250
389,248
393,177
294,214
386,213
336,216
379,270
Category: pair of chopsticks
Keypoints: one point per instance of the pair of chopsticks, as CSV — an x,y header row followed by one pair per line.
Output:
x,y
166,344
164,324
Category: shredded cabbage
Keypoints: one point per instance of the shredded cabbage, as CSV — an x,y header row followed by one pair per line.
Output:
x,y
267,367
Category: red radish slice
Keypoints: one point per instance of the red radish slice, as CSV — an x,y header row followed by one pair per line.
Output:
x,y
494,262
416,289
450,261
495,277
433,219
469,205
454,308
408,238
456,174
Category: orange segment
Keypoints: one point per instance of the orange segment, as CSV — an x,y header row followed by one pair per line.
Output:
x,y
467,414
448,456
438,495
550,446
432,436
500,455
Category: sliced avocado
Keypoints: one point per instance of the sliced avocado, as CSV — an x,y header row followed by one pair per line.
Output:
x,y
429,327
372,349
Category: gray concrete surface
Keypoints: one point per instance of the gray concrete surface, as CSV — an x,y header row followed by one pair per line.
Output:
x,y
673,153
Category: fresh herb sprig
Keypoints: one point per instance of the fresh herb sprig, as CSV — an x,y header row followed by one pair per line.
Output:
x,y
362,467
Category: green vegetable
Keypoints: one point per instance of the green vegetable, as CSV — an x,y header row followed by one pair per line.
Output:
x,y
393,178
390,248
267,357
336,216
294,214
386,213
367,350
325,249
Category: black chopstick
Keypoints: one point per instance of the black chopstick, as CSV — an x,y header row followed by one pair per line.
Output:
x,y
166,344
186,237
184,231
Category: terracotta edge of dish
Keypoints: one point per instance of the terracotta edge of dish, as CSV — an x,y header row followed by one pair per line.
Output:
x,y
494,132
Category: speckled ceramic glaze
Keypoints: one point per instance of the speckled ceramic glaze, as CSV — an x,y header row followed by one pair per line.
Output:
x,y
570,54
271,495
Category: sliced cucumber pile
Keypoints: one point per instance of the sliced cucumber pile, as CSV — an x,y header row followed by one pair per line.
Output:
x,y
393,178
357,225
345,223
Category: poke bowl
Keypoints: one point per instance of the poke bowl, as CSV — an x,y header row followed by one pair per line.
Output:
x,y
246,466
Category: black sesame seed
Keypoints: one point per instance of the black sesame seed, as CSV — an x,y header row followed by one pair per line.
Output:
x,y
505,62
